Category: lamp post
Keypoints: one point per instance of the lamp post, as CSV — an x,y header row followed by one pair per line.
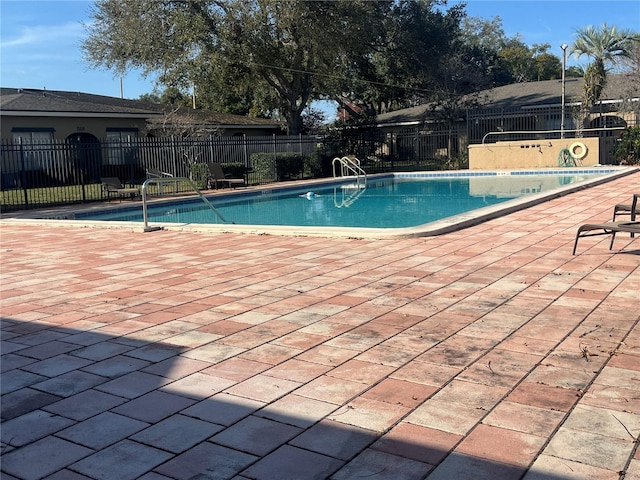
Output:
x,y
564,68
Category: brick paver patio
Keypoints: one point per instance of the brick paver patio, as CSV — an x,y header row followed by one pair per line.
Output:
x,y
487,353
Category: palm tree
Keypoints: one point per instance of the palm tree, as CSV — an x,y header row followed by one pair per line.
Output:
x,y
606,45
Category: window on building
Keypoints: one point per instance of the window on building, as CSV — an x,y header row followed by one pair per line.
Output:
x,y
120,145
30,136
37,147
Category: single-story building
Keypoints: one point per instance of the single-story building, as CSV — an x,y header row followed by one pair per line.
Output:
x,y
43,115
517,112
50,138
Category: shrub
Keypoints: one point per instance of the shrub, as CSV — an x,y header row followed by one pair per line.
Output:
x,y
263,168
320,162
287,166
314,165
627,150
200,175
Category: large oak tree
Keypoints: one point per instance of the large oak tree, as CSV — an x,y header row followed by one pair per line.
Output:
x,y
273,57
261,56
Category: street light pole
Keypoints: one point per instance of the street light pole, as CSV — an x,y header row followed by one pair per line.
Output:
x,y
564,68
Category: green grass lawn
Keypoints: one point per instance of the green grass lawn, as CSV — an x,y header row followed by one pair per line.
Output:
x,y
20,199
17,199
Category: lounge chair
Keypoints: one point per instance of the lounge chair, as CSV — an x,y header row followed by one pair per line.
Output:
x,y
156,173
631,209
113,186
216,175
606,228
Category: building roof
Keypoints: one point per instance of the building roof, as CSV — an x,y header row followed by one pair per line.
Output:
x,y
525,94
24,101
32,102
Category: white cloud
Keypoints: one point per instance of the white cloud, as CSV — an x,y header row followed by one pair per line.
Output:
x,y
44,37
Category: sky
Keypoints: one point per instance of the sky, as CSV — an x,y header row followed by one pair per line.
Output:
x,y
40,40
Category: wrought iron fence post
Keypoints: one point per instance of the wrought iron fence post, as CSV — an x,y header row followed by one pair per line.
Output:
x,y
416,146
174,155
83,167
211,156
301,154
23,174
245,151
275,159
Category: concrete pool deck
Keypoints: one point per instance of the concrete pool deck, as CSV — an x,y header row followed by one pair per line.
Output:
x,y
486,353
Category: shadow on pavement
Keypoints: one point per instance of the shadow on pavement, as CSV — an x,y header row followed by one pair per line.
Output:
x,y
81,404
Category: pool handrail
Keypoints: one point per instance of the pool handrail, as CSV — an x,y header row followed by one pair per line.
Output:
x,y
163,180
532,133
349,165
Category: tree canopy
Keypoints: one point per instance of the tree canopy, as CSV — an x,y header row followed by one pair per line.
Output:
x,y
272,58
256,56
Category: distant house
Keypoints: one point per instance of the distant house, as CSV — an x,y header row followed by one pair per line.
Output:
x,y
63,138
43,115
511,112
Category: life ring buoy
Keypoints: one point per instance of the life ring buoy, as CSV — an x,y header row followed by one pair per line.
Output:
x,y
575,146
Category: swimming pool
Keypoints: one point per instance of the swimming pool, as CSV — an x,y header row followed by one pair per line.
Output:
x,y
403,204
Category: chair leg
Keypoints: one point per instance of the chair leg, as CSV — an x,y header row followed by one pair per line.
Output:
x,y
613,237
575,243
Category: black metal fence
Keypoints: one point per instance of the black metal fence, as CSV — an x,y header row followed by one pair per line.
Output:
x,y
58,172
546,121
58,162
36,175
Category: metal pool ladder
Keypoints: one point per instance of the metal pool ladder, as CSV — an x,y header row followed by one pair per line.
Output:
x,y
161,181
350,166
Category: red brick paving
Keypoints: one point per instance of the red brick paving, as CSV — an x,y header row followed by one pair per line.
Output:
x,y
487,353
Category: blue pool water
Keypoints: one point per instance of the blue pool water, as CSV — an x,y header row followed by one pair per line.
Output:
x,y
402,200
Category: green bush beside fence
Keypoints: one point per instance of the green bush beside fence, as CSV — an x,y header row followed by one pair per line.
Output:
x,y
200,175
279,166
627,150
